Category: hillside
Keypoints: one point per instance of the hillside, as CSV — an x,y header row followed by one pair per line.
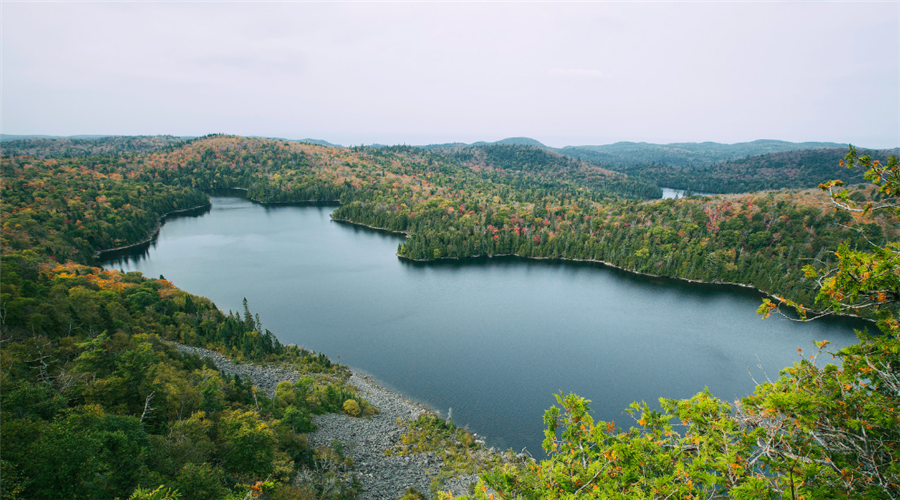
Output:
x,y
687,154
500,199
12,137
96,399
792,170
509,141
532,161
459,202
53,147
704,167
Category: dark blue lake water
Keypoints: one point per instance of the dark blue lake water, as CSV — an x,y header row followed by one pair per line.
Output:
x,y
493,339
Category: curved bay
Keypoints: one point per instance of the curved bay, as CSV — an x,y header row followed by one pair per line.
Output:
x,y
492,338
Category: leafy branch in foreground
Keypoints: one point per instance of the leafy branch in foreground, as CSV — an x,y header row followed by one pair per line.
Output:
x,y
861,280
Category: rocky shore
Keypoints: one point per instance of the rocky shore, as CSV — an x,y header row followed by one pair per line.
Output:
x,y
265,378
364,439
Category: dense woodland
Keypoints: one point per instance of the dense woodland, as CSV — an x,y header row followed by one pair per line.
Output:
x,y
62,148
686,154
85,359
96,401
691,154
790,170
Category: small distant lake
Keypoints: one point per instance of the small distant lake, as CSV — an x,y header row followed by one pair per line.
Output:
x,y
494,339
679,193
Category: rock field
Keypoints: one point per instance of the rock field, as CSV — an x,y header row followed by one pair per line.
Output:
x,y
364,439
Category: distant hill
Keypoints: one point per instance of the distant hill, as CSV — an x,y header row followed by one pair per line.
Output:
x,y
10,137
517,141
698,166
512,159
686,154
320,142
446,145
799,169
67,147
682,154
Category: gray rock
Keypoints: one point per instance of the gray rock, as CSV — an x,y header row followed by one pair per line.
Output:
x,y
364,439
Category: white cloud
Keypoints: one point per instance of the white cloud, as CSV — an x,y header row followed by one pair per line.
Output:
x,y
385,72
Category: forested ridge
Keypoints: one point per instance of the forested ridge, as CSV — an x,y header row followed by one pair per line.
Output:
x,y
685,154
790,169
86,364
61,148
707,167
522,200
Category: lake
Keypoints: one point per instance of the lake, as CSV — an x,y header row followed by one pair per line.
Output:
x,y
493,339
679,193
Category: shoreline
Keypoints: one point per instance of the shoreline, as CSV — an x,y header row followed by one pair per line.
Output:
x,y
160,222
613,266
563,259
365,440
650,275
348,221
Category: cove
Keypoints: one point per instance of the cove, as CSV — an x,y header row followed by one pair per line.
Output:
x,y
492,338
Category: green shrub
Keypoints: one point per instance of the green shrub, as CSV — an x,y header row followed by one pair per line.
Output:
x,y
160,493
200,482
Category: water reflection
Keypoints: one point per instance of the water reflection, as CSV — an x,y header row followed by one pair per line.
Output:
x,y
141,251
493,338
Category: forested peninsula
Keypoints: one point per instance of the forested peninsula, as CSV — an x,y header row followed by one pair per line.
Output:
x,y
97,402
477,201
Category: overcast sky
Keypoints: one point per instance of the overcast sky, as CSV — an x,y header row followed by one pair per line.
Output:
x,y
417,73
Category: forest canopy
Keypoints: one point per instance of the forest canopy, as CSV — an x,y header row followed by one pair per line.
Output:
x,y
88,361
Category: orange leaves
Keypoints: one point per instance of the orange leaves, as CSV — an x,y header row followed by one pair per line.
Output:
x,y
104,279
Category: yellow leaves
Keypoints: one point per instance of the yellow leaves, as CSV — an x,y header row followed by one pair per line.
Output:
x,y
104,279
822,344
765,309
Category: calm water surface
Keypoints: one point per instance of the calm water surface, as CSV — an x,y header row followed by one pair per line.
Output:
x,y
679,193
493,339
